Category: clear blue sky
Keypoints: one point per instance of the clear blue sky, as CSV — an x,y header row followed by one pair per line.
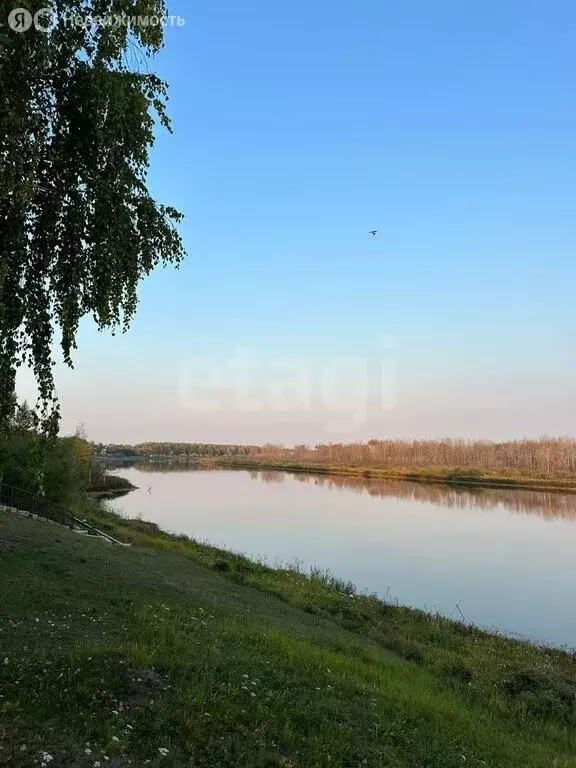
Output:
x,y
298,127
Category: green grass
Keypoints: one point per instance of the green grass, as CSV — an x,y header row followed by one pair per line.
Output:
x,y
539,481
217,661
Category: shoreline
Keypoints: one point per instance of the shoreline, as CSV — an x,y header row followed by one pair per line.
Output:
x,y
234,563
413,474
111,493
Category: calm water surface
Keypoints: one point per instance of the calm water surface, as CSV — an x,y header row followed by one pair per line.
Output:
x,y
507,558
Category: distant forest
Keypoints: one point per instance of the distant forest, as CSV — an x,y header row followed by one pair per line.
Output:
x,y
546,455
175,450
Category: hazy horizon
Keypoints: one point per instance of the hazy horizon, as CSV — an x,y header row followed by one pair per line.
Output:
x,y
116,411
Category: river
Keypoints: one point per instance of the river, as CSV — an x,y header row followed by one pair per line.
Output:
x,y
503,559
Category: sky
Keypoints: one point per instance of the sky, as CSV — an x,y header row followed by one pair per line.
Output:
x,y
450,128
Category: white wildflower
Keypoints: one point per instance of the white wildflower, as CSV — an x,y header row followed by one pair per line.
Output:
x,y
114,738
163,751
88,751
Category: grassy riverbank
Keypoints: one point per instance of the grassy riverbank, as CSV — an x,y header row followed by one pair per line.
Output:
x,y
537,481
181,654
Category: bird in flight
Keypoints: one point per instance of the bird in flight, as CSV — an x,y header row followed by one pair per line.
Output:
x,y
373,232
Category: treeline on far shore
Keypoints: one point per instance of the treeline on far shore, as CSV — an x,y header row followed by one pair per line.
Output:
x,y
543,457
173,450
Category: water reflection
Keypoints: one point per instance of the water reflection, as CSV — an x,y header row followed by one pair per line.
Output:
x,y
542,503
269,476
546,504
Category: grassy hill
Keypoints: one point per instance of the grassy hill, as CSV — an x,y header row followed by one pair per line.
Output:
x,y
171,653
